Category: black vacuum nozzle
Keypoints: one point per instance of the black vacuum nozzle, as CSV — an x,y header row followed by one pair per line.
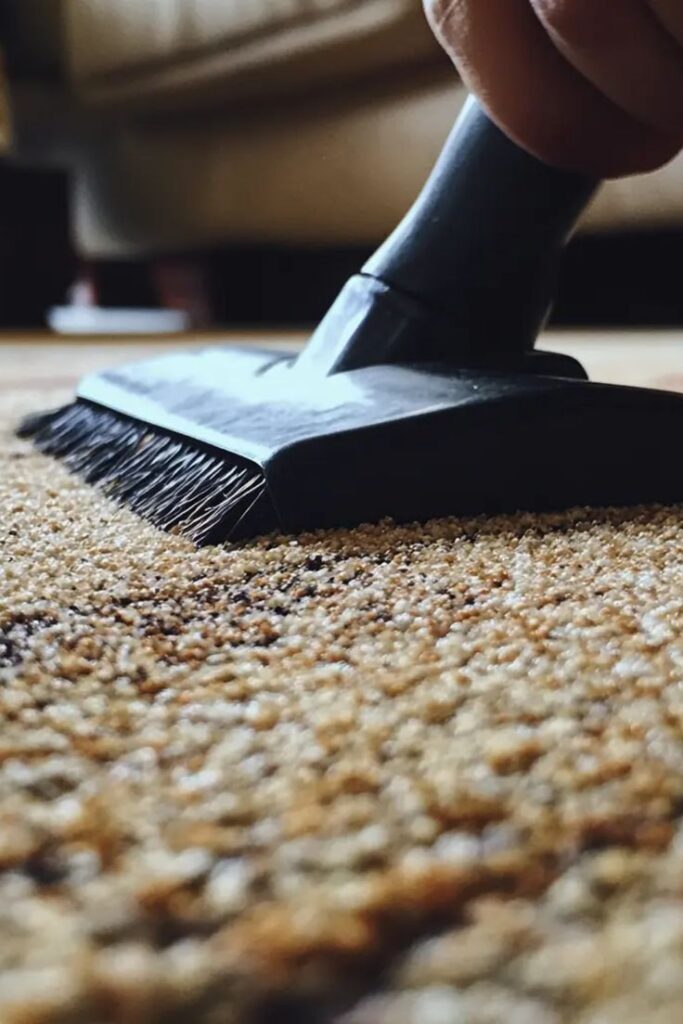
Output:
x,y
419,395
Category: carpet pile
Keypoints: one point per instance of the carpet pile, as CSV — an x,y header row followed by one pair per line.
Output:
x,y
392,775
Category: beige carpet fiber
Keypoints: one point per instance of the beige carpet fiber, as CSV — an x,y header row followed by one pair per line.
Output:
x,y
417,775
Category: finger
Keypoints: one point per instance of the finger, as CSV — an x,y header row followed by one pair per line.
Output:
x,y
529,89
622,48
670,15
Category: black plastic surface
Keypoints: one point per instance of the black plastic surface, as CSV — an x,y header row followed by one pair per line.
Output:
x,y
410,442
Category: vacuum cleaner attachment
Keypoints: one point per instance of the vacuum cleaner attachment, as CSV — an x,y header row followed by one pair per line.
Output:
x,y
419,395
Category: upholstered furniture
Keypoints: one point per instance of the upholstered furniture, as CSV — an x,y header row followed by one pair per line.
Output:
x,y
199,122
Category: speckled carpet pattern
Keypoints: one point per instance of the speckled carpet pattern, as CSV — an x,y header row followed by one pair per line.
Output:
x,y
395,775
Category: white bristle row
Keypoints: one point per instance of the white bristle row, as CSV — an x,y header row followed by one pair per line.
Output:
x,y
175,483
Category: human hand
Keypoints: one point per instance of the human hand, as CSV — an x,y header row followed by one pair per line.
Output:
x,y
590,85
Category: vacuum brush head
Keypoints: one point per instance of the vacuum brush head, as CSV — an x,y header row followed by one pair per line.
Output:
x,y
419,394
232,443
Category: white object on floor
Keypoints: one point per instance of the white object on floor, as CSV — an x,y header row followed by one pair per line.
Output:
x,y
97,320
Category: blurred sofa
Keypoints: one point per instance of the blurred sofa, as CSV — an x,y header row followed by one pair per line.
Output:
x,y
195,123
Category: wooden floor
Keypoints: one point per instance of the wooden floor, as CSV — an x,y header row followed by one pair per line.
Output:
x,y
645,358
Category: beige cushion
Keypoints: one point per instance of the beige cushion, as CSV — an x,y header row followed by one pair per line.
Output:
x,y
181,49
647,201
335,170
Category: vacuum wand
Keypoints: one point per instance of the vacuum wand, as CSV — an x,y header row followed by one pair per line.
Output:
x,y
468,275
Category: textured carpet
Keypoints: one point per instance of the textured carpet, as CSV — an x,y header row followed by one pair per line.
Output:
x,y
420,775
